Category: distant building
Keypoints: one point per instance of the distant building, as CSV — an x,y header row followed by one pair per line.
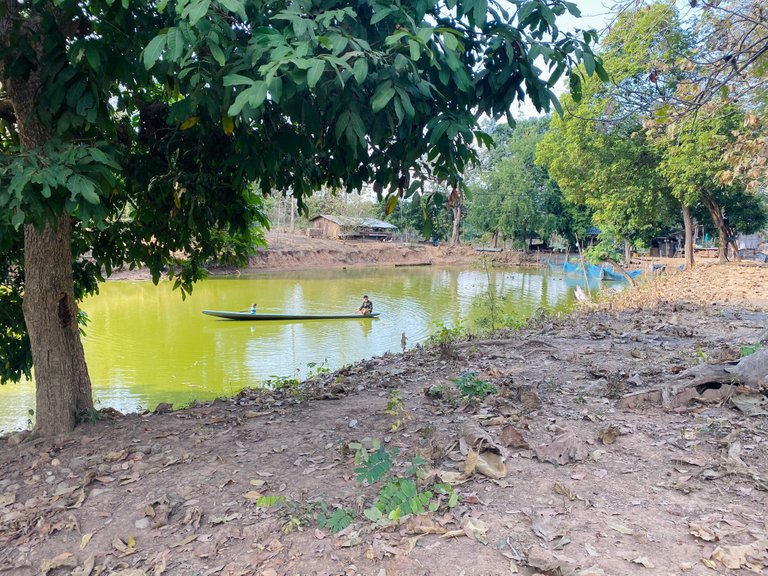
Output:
x,y
346,228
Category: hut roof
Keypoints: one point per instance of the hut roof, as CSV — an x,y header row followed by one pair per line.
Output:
x,y
357,222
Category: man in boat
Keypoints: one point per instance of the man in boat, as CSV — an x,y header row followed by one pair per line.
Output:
x,y
366,307
253,308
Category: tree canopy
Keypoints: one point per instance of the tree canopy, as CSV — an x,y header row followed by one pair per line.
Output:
x,y
510,195
131,132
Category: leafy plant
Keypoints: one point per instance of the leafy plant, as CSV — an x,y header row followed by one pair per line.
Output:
x,y
444,336
315,369
87,416
336,521
284,383
372,466
270,501
748,349
398,495
396,409
472,388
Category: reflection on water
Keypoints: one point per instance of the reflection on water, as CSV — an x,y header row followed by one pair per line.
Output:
x,y
146,345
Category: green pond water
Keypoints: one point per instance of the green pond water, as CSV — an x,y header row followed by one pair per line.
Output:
x,y
145,345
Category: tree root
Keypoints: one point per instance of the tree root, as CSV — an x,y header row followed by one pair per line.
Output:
x,y
707,383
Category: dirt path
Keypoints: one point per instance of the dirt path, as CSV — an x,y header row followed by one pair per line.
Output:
x,y
256,485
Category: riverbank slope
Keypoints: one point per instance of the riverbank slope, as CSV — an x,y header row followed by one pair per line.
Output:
x,y
553,475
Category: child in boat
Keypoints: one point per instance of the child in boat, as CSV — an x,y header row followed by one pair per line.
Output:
x,y
366,307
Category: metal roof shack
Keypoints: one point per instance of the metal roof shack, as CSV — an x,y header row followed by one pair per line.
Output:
x,y
347,228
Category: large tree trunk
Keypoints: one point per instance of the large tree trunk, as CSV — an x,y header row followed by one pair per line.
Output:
x,y
722,228
688,224
63,386
50,310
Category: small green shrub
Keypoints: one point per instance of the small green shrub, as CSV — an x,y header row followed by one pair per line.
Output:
x,y
472,388
445,337
398,495
748,349
334,521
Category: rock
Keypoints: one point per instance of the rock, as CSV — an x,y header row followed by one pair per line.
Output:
x,y
77,464
18,438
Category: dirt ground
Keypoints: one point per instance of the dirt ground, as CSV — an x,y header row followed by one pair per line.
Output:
x,y
554,471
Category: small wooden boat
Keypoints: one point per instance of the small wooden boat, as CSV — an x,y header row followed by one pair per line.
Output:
x,y
261,316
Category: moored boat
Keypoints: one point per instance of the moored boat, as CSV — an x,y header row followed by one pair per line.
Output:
x,y
227,315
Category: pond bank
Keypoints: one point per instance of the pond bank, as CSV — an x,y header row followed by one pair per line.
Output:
x,y
586,487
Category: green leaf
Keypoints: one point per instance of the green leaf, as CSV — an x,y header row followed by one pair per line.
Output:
x,y
195,10
80,186
574,82
450,41
547,14
572,8
373,514
217,53
600,70
239,103
93,56
559,69
589,63
555,102
315,72
237,80
480,11
257,94
153,50
175,43
235,6
360,70
381,14
415,50
382,96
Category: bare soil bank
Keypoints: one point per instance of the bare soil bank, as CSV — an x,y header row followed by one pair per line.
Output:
x,y
585,488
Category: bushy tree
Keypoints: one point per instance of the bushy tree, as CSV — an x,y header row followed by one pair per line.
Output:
x,y
509,194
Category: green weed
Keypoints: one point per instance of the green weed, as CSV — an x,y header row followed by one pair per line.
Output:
x,y
398,496
472,388
396,409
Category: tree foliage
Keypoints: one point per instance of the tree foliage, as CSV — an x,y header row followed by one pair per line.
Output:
x,y
598,152
510,195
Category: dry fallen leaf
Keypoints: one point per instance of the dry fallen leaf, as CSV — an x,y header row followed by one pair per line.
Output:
x,y
64,560
253,495
85,539
476,529
621,528
703,532
643,561
185,541
609,434
491,465
513,438
564,490
564,449
734,557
